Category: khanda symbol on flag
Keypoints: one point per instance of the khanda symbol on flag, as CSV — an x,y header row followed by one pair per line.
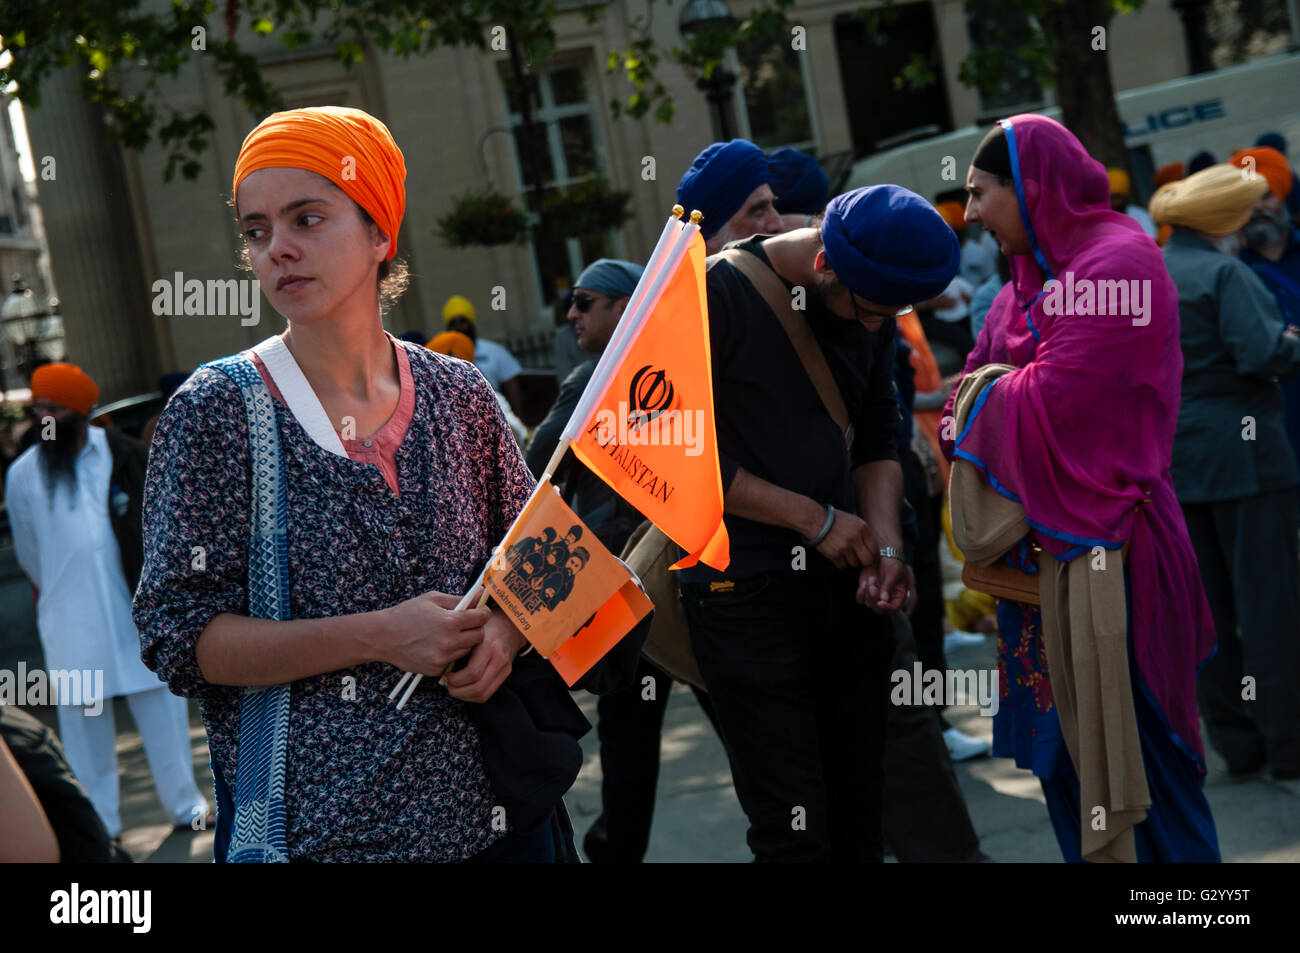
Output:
x,y
648,387
645,423
645,426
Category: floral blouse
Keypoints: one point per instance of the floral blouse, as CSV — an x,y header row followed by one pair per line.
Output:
x,y
365,782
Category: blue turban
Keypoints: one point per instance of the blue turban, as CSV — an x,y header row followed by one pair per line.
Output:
x,y
889,245
610,276
800,185
1273,140
719,181
1202,160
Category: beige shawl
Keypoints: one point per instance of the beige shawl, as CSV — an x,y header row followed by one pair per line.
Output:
x,y
1085,633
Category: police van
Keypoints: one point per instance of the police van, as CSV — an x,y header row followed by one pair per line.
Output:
x,y
1219,112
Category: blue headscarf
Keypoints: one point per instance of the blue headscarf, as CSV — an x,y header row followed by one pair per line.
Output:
x,y
889,245
610,276
719,181
800,185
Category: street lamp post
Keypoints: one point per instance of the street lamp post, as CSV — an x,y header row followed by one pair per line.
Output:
x,y
703,16
33,332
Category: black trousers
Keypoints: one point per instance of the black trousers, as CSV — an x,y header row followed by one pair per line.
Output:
x,y
925,815
629,724
927,618
1247,552
798,674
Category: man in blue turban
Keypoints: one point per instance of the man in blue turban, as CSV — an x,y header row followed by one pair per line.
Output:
x,y
793,639
801,187
730,183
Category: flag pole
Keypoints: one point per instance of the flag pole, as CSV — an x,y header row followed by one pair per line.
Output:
x,y
626,327
639,307
659,257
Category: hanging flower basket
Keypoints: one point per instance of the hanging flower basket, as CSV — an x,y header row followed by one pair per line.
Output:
x,y
586,207
482,218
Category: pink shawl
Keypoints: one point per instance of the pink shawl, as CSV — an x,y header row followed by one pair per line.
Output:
x,y
1083,432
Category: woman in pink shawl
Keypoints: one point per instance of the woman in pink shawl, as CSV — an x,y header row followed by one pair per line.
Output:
x,y
1081,434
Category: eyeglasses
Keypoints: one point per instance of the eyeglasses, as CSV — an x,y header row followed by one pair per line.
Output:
x,y
857,315
583,301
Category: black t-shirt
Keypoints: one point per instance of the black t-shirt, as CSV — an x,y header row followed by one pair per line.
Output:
x,y
771,421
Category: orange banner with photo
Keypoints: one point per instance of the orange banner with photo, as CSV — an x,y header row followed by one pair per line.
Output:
x,y
553,578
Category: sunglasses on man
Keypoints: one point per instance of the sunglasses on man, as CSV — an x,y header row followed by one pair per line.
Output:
x,y
583,301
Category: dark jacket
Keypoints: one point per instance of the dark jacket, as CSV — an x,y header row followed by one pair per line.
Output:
x,y
81,834
529,729
1234,348
126,501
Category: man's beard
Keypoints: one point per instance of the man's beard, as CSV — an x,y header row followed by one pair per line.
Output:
x,y
1266,229
821,291
59,455
721,238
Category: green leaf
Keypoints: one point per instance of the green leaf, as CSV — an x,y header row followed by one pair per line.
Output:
x,y
263,26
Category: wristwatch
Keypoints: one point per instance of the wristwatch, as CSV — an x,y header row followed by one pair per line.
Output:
x,y
889,552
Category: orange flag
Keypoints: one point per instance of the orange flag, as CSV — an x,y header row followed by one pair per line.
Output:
x,y
568,595
650,433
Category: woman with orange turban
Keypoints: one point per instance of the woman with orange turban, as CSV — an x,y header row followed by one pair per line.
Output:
x,y
315,507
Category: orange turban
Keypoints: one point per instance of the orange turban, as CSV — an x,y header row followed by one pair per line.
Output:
x,y
66,385
351,148
954,213
1171,172
453,343
1269,163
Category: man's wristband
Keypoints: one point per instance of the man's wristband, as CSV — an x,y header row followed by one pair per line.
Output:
x,y
889,552
826,527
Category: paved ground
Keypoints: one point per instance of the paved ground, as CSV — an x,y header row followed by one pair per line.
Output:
x,y
698,818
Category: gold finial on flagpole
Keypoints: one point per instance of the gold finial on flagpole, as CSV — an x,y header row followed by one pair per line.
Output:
x,y
678,211
696,217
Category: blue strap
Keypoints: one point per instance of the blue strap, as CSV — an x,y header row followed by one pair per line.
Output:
x,y
1020,198
257,834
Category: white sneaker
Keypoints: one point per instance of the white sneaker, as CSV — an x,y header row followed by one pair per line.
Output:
x,y
958,639
962,747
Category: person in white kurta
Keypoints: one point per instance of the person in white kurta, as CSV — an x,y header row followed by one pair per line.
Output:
x,y
67,548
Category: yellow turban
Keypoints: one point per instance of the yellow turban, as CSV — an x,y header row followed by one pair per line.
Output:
x,y
453,343
66,385
457,307
351,148
1217,200
1120,184
1269,163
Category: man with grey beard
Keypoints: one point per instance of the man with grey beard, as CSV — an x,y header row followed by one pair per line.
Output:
x,y
731,184
1273,253
74,501
1234,471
